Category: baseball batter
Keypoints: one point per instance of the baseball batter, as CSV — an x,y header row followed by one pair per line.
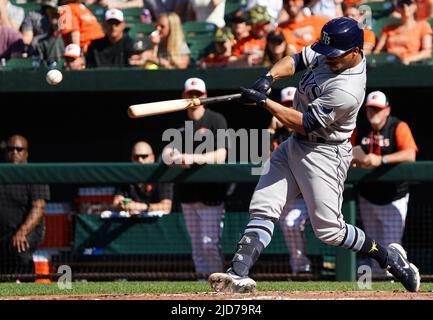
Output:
x,y
313,161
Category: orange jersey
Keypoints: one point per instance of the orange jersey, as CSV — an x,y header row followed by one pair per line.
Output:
x,y
405,43
77,17
249,45
369,37
303,33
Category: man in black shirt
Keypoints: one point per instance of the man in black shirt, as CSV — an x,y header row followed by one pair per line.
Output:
x,y
115,49
144,197
22,210
202,203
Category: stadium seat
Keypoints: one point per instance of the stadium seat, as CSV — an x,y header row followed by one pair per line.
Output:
x,y
140,30
380,9
98,12
21,63
382,58
195,28
379,24
200,47
132,15
30,6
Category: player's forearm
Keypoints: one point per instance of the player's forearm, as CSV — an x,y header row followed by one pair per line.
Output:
x,y
34,217
290,118
283,68
408,155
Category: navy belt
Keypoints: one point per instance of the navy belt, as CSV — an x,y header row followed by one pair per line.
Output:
x,y
318,139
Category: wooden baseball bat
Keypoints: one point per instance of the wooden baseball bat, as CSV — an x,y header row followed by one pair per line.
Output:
x,y
160,107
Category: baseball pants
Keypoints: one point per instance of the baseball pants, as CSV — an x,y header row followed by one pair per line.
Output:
x,y
317,171
385,223
292,224
205,225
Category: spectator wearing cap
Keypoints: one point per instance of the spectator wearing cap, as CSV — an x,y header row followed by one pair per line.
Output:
x,y
239,26
382,139
11,42
50,47
11,16
113,50
249,51
294,219
273,7
78,24
301,30
202,203
224,40
168,46
276,48
409,39
211,11
369,36
38,24
73,58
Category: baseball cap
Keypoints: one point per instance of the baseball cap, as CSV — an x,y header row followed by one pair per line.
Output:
x,y
259,14
287,94
114,14
223,34
239,16
195,84
276,36
72,51
377,99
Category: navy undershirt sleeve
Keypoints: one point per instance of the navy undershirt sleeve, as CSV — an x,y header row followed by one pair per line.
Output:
x,y
310,122
299,62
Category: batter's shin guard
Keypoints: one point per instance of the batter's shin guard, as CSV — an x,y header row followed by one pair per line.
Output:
x,y
247,253
257,236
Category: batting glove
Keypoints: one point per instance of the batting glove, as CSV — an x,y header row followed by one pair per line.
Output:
x,y
263,84
253,97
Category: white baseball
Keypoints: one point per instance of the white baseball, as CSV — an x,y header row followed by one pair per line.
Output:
x,y
54,77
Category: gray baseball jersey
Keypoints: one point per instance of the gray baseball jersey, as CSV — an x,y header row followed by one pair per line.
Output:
x,y
334,98
317,170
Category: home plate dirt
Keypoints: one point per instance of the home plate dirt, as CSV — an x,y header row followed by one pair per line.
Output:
x,y
265,295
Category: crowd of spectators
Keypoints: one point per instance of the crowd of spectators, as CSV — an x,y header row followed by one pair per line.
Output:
x,y
256,34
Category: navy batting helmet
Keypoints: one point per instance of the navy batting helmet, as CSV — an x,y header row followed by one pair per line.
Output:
x,y
339,36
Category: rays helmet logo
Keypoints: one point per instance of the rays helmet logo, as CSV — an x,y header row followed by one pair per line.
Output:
x,y
325,39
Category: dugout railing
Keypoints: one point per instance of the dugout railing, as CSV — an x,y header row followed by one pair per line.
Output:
x,y
418,174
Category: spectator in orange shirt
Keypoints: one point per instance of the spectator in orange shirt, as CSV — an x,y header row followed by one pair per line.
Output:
x,y
383,139
250,50
276,48
301,30
369,36
410,40
78,24
239,26
224,40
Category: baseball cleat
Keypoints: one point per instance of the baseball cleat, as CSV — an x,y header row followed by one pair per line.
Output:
x,y
404,271
231,283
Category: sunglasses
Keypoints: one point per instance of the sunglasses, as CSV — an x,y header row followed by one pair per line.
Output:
x,y
141,156
18,149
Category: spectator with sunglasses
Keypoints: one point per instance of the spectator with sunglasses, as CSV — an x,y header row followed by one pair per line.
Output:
x,y
73,58
22,209
144,197
383,139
